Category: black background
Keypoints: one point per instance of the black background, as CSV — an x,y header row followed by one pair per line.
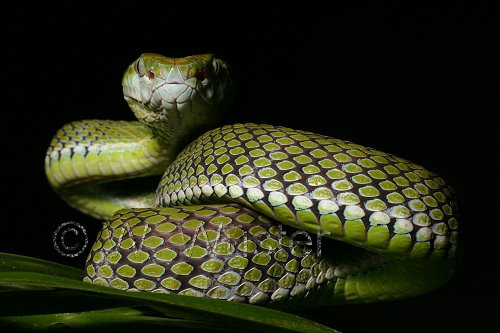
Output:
x,y
421,83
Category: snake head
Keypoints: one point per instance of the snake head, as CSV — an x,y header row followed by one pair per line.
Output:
x,y
179,91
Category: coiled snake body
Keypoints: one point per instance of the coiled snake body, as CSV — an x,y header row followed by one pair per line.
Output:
x,y
246,212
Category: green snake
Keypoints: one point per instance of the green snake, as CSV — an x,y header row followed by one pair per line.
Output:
x,y
249,213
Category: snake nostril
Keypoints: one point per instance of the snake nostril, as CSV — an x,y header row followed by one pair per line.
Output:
x,y
200,75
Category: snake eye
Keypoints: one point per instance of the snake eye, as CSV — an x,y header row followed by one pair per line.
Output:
x,y
215,66
139,67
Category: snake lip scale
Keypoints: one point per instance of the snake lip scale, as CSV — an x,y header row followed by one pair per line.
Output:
x,y
227,216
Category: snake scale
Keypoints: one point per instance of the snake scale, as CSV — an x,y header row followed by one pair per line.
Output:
x,y
249,213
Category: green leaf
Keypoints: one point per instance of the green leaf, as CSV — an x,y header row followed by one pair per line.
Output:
x,y
35,302
115,317
16,263
189,310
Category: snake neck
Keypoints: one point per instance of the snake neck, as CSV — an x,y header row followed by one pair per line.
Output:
x,y
92,164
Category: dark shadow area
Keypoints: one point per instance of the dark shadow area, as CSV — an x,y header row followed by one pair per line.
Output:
x,y
421,83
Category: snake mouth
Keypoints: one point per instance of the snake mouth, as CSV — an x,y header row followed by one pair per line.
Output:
x,y
176,95
167,101
172,102
172,96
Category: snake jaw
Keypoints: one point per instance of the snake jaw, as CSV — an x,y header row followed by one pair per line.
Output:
x,y
174,95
